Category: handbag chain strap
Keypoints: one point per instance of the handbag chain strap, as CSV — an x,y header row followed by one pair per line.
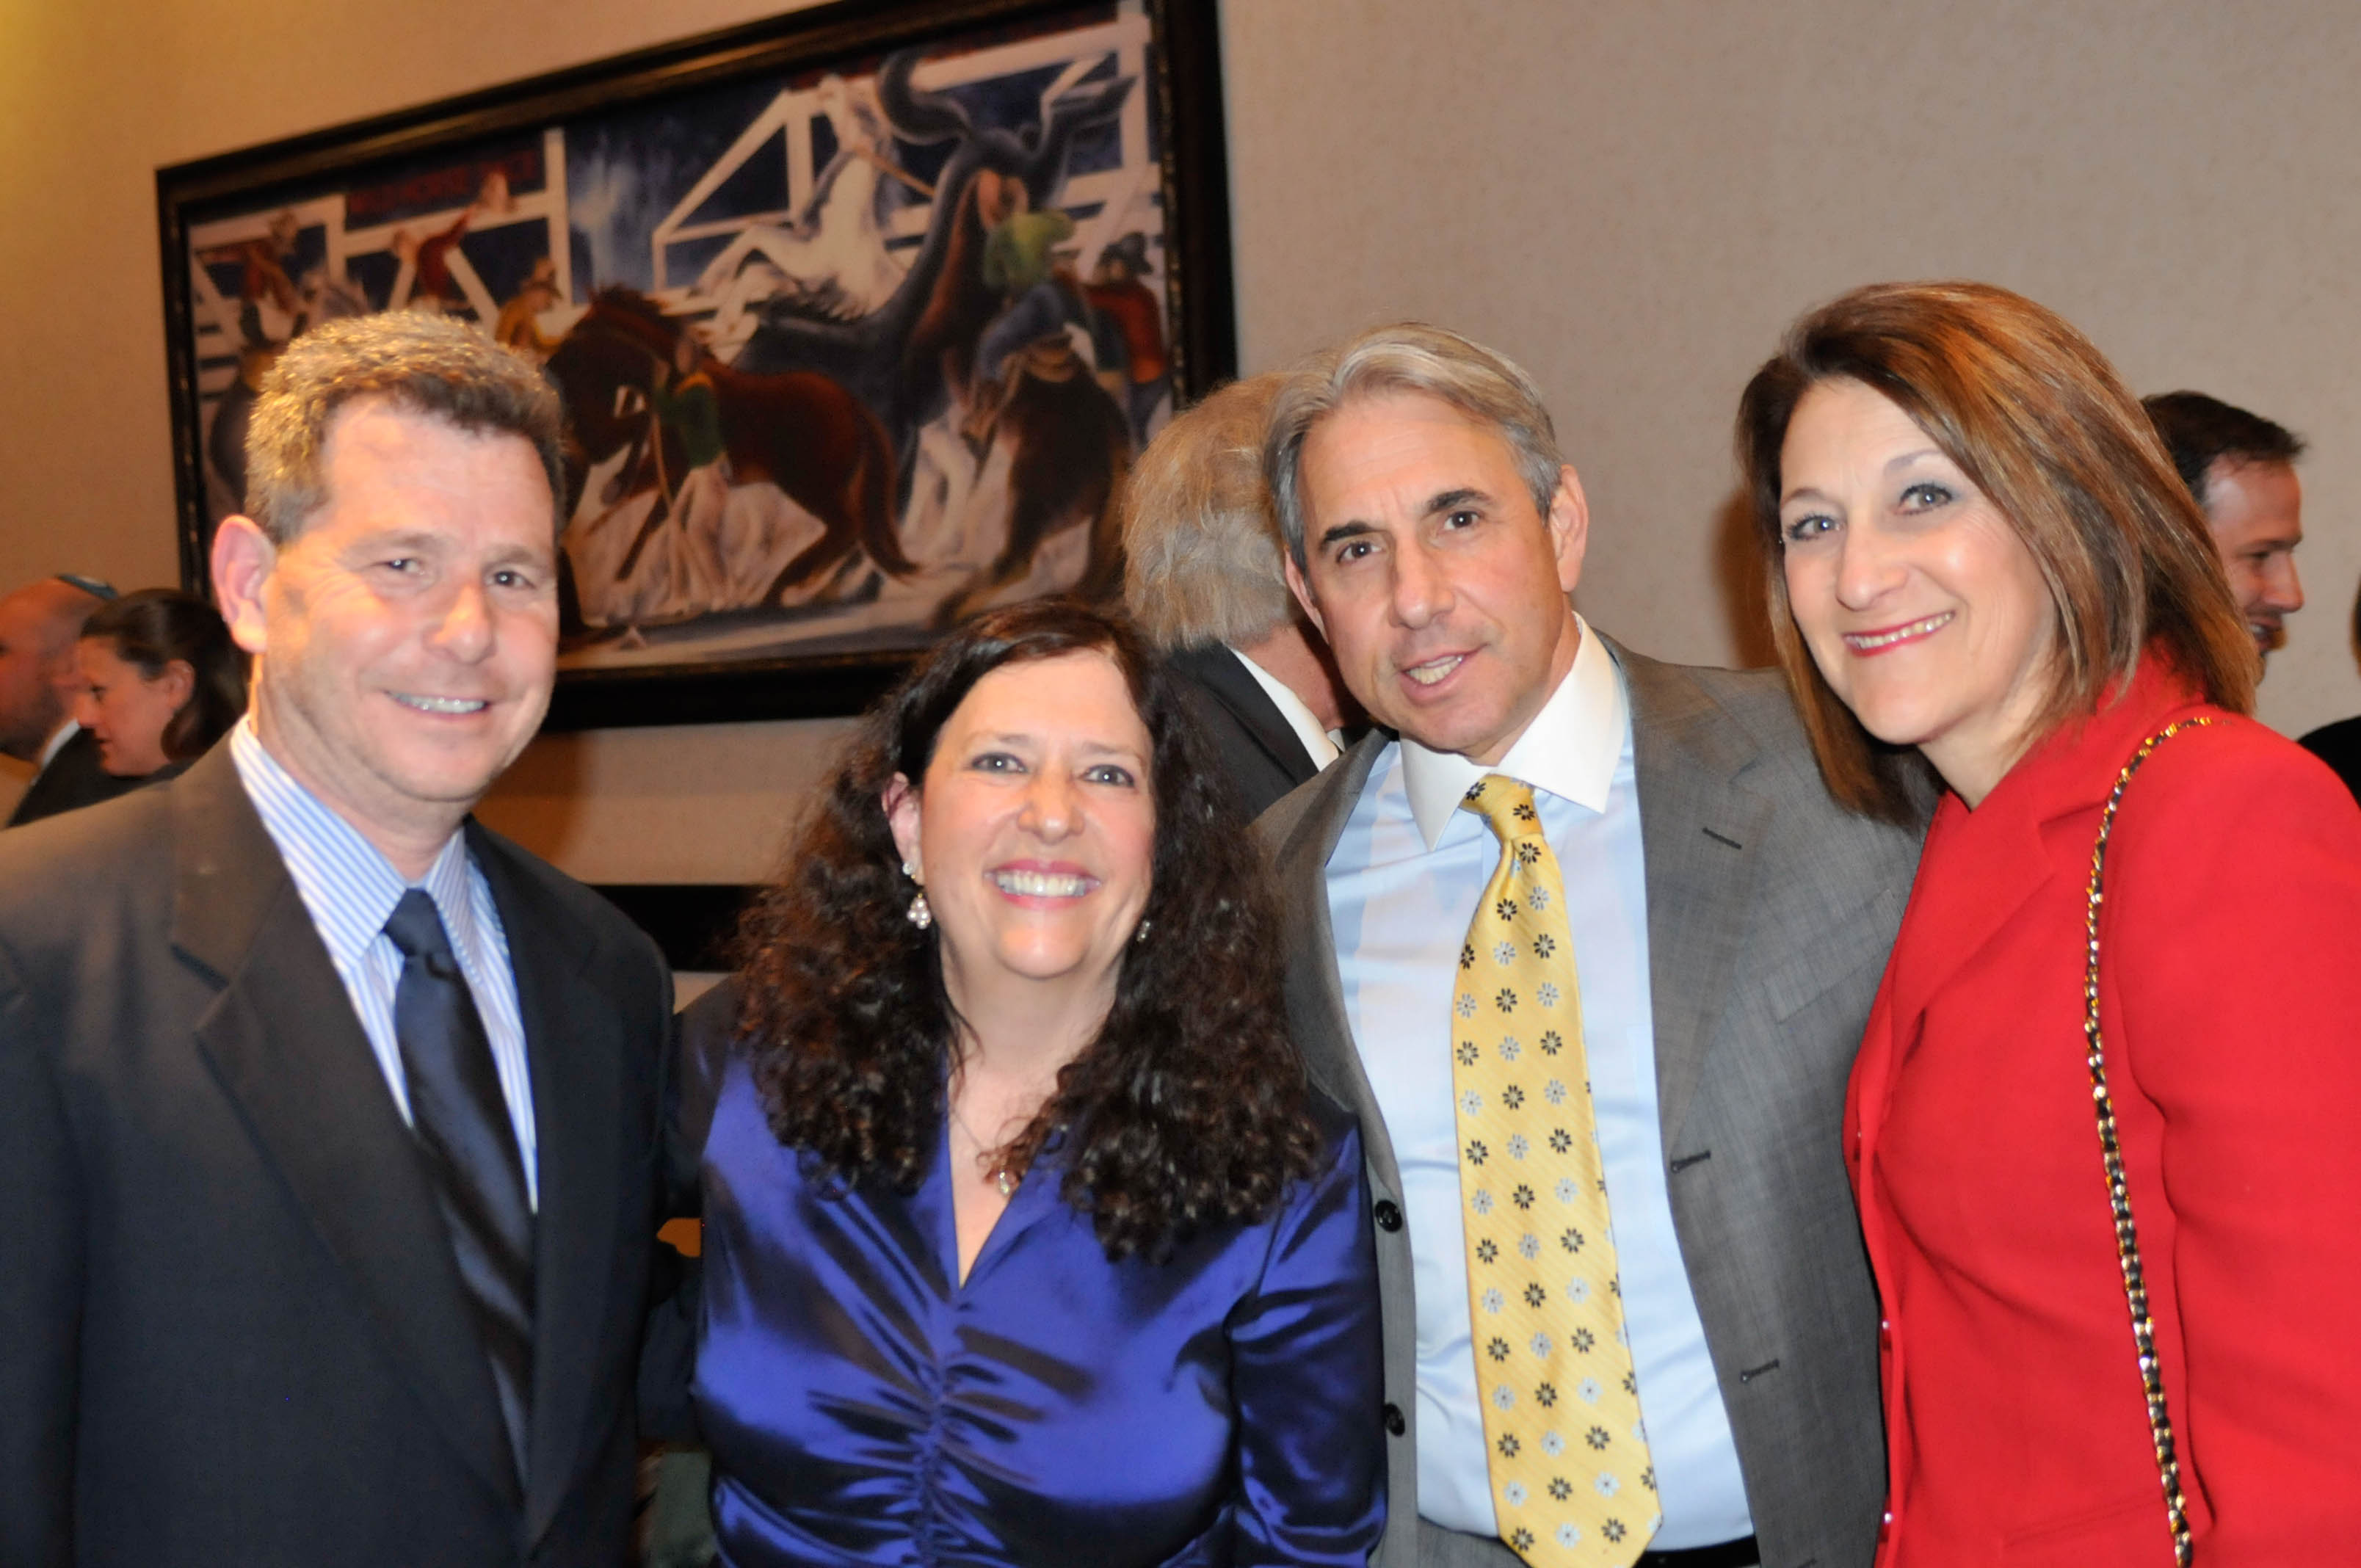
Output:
x,y
2119,1196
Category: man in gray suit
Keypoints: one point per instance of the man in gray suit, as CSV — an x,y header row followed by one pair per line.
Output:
x,y
1656,846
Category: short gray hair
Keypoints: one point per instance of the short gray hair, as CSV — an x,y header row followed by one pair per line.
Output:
x,y
1200,538
1488,388
419,361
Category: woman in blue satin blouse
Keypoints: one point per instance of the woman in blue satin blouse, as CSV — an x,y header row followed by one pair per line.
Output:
x,y
1026,1239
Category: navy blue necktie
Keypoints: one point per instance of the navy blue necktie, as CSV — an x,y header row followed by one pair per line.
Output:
x,y
463,1125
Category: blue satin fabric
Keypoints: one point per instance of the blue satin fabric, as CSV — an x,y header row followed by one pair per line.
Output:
x,y
864,1407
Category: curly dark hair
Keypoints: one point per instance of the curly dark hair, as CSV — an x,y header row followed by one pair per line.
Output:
x,y
1188,1108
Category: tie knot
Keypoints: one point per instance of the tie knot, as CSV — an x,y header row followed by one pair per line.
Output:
x,y
1504,803
416,928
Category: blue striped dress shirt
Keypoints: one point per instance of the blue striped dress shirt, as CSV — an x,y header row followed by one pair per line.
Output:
x,y
350,889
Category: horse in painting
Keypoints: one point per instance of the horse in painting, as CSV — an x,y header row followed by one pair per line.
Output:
x,y
798,431
914,358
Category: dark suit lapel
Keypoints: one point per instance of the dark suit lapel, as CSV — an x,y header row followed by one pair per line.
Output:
x,y
284,1041
575,1060
1698,829
1315,991
1222,678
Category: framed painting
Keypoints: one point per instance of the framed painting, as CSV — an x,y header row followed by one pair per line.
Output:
x,y
859,316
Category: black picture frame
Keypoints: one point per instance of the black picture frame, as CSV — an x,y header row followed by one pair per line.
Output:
x,y
417,152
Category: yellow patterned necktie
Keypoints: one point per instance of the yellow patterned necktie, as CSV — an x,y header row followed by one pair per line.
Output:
x,y
1571,1479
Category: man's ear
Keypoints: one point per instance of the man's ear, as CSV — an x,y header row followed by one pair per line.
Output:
x,y
901,804
1569,526
243,557
1302,589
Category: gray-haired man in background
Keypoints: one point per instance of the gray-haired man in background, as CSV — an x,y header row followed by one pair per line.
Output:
x,y
1202,576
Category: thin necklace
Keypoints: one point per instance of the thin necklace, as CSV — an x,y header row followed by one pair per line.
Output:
x,y
997,1171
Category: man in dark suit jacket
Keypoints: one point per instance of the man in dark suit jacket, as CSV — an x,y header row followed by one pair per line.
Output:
x,y
39,624
69,779
328,1119
1201,577
1730,923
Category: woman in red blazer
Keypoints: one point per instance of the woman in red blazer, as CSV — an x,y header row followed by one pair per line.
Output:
x,y
1981,562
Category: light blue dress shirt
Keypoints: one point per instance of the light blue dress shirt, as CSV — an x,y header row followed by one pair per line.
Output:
x,y
350,890
1402,886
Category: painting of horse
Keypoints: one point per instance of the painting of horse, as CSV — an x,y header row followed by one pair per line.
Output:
x,y
650,545
831,323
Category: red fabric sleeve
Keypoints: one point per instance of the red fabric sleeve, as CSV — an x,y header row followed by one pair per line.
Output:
x,y
2234,966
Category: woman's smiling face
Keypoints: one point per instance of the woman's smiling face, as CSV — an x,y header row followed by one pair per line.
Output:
x,y
1034,830
1922,607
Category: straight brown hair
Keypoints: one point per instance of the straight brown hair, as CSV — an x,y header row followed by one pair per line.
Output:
x,y
2035,415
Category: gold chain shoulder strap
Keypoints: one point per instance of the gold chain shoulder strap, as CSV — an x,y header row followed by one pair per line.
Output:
x,y
2159,1417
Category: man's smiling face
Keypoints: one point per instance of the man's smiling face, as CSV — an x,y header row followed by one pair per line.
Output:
x,y
1440,586
407,635
2255,511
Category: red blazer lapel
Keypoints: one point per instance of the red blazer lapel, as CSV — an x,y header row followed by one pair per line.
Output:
x,y
1981,866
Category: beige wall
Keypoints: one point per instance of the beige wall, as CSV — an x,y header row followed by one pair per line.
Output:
x,y
1632,197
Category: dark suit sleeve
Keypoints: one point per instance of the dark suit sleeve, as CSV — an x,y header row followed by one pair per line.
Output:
x,y
2339,745
40,1294
694,1056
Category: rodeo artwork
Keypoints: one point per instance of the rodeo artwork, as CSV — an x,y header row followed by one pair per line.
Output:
x,y
845,356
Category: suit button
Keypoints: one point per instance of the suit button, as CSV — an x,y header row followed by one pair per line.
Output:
x,y
1394,1422
1388,1217
1884,1334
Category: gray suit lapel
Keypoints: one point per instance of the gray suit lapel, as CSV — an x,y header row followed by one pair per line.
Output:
x,y
283,1041
1301,831
1699,830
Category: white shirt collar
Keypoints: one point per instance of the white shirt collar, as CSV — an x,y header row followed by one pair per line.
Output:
x,y
1317,741
57,743
1570,749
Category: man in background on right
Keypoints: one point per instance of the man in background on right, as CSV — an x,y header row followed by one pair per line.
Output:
x,y
2241,469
